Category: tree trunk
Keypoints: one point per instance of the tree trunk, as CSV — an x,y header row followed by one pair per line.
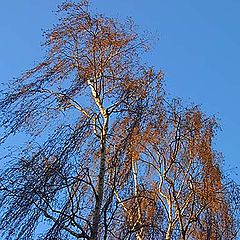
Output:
x,y
101,175
169,233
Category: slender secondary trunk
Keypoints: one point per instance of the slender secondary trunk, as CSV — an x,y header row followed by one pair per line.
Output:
x,y
169,233
101,175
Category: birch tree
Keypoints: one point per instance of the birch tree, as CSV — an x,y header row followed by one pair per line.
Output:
x,y
107,155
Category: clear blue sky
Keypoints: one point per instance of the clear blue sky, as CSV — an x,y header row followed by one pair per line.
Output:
x,y
199,51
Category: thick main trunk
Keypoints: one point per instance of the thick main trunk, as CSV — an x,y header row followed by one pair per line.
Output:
x,y
100,189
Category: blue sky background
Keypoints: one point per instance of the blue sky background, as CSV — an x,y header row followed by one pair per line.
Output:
x,y
198,50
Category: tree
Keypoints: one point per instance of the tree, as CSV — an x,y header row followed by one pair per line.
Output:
x,y
108,156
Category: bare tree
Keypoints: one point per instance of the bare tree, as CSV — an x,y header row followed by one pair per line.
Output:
x,y
107,156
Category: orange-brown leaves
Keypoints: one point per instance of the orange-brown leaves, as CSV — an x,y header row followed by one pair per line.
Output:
x,y
141,211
